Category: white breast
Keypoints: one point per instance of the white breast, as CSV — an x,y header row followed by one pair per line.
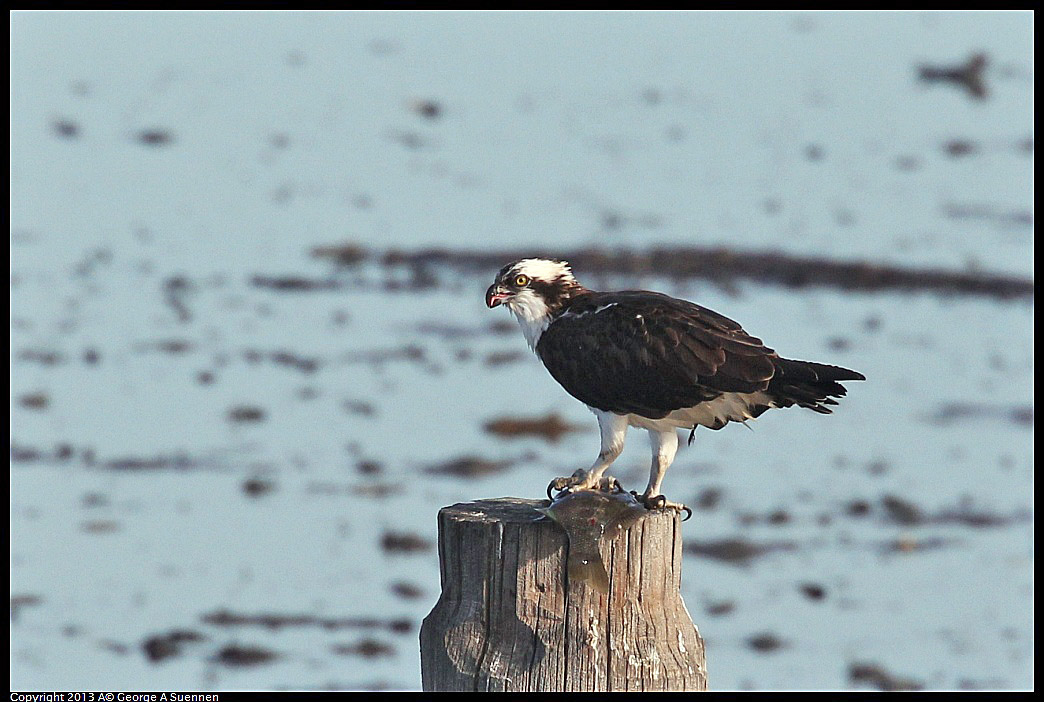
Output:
x,y
532,315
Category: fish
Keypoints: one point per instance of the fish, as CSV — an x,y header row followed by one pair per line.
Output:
x,y
586,516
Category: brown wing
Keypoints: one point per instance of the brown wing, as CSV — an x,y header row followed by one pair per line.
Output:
x,y
648,354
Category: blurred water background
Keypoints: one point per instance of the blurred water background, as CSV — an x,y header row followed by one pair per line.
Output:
x,y
229,447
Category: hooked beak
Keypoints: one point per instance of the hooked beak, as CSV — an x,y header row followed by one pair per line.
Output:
x,y
495,295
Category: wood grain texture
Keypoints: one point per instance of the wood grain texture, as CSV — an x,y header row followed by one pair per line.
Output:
x,y
509,619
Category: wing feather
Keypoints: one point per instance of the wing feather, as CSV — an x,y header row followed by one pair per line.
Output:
x,y
649,354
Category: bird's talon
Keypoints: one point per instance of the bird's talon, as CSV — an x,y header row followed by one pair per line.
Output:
x,y
580,480
577,481
660,503
558,485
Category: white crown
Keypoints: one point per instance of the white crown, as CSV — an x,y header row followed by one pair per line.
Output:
x,y
544,269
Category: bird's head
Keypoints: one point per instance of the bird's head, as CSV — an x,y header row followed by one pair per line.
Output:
x,y
535,290
537,284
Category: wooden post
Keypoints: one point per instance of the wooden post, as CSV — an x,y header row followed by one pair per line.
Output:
x,y
509,619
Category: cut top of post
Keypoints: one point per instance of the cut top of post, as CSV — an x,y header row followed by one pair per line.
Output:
x,y
510,617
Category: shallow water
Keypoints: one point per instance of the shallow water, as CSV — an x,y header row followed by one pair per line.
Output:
x,y
186,443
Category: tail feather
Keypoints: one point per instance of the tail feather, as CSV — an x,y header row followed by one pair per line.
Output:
x,y
825,372
808,384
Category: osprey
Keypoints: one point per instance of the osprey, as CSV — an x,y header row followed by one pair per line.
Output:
x,y
647,360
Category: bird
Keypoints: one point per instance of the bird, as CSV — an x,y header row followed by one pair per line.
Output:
x,y
644,359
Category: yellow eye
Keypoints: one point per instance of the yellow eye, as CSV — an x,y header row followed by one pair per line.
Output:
x,y
522,281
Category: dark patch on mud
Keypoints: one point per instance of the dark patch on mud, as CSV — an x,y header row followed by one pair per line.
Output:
x,y
708,498
503,358
59,453
876,676
173,347
256,487
813,591
377,491
163,646
175,289
94,500
776,517
368,490
161,462
359,407
155,137
502,327
378,357
65,128
117,647
957,411
407,591
45,357
427,108
858,508
906,544
293,283
1003,218
37,401
467,467
246,414
300,363
343,254
765,643
738,551
903,512
100,526
960,147
275,622
969,76
456,332
405,542
240,656
284,358
367,648
723,266
20,602
369,467
720,608
550,427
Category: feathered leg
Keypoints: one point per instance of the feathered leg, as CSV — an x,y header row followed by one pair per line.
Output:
x,y
613,429
664,447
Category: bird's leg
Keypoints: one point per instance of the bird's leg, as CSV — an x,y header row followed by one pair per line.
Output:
x,y
664,447
613,429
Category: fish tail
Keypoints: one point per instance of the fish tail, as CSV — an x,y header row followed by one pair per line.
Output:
x,y
590,570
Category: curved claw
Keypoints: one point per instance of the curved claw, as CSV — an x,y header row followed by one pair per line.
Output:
x,y
581,481
559,484
659,502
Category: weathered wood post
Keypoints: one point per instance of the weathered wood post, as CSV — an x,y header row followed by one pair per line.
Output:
x,y
509,619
